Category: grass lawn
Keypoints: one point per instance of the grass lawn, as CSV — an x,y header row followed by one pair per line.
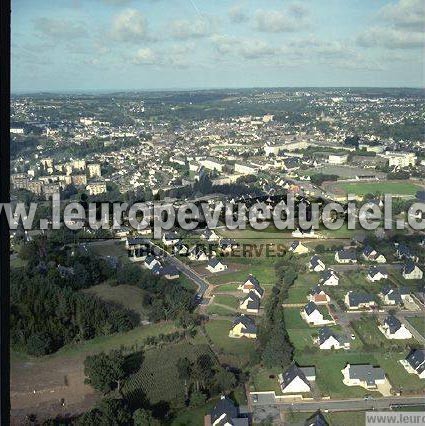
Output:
x,y
352,418
328,371
220,310
394,188
293,320
302,286
223,299
107,343
418,323
236,351
264,380
129,296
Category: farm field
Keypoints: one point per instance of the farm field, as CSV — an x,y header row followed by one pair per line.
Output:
x,y
129,296
157,378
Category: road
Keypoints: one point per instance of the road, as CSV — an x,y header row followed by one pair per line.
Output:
x,y
186,270
265,401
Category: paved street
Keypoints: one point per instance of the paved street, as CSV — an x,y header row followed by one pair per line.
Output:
x,y
340,404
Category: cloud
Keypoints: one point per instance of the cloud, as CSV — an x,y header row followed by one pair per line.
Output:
x,y
145,56
185,29
390,38
129,26
273,21
242,47
237,15
62,29
298,10
406,14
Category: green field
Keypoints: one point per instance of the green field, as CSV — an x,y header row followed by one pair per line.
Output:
x,y
157,378
131,297
418,323
234,351
363,188
230,301
220,310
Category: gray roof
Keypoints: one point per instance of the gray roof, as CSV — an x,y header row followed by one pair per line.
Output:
x,y
213,262
416,359
291,373
325,333
347,254
254,302
393,323
328,273
314,261
310,307
355,299
316,420
224,406
366,372
247,322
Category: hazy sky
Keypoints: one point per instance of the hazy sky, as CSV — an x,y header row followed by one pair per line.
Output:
x,y
149,44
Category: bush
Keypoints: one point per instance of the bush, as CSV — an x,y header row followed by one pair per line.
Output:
x,y
39,344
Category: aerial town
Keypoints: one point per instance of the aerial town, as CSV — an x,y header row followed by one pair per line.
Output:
x,y
218,326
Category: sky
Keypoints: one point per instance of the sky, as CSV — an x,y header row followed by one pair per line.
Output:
x,y
85,45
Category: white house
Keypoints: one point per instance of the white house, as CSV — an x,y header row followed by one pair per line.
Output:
x,y
415,363
312,315
318,296
215,265
346,256
391,295
210,236
151,262
354,300
372,255
364,375
296,380
251,303
329,278
376,274
327,340
316,264
392,328
170,238
252,284
412,272
197,253
298,248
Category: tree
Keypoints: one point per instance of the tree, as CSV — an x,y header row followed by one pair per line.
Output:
x,y
278,350
40,344
184,369
105,371
143,417
197,399
226,380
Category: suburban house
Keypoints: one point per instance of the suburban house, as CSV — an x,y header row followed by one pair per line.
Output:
x,y
151,262
252,284
170,239
318,296
226,245
403,252
298,248
181,249
299,233
327,340
375,273
415,362
394,329
243,326
316,264
312,315
215,265
346,256
329,277
372,255
316,420
210,236
391,295
364,375
137,249
411,272
296,380
225,413
354,300
197,253
251,303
